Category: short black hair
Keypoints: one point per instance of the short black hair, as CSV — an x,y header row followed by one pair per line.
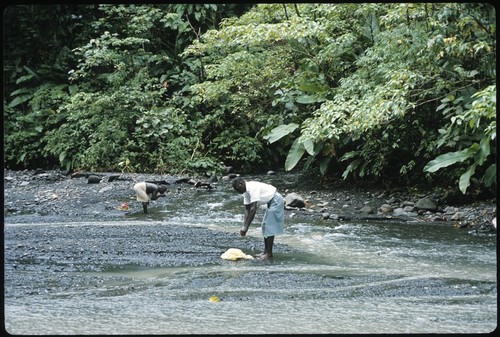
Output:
x,y
238,181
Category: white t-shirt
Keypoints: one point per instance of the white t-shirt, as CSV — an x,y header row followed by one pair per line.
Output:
x,y
258,192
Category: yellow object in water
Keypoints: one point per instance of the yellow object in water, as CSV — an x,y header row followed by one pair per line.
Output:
x,y
214,299
234,254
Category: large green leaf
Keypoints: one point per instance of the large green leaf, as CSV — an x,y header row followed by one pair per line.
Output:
x,y
280,131
323,165
464,182
351,168
311,87
20,99
490,176
450,158
306,99
484,150
296,152
309,146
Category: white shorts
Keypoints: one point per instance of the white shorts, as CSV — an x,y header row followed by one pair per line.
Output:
x,y
140,190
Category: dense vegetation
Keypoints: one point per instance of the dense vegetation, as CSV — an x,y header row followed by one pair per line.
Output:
x,y
395,92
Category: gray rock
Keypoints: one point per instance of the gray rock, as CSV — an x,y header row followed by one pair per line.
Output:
x,y
93,179
408,208
399,211
367,210
385,208
427,204
294,200
457,216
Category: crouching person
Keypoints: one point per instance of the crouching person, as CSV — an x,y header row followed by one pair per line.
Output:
x,y
144,189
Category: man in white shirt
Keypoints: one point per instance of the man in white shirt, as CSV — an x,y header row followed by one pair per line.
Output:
x,y
255,193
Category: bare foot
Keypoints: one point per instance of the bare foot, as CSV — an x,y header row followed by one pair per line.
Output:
x,y
265,256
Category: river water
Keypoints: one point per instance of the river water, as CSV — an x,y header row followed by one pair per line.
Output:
x,y
335,278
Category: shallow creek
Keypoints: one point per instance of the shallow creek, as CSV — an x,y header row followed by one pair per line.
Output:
x,y
162,274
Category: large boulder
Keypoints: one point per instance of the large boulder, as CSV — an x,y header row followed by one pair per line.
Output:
x,y
294,200
426,204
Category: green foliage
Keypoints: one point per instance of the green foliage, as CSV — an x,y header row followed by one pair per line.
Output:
x,y
296,152
394,91
237,149
25,133
410,66
477,123
280,131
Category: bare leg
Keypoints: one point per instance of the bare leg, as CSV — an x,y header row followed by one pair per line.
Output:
x,y
268,248
145,207
265,248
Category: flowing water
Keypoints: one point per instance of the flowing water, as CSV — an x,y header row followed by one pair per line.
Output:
x,y
338,277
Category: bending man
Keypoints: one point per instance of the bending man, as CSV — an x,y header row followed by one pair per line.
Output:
x,y
255,193
143,189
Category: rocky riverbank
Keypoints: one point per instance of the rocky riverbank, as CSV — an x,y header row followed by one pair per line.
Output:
x,y
44,196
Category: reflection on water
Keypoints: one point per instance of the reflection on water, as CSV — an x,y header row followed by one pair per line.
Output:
x,y
153,314
340,278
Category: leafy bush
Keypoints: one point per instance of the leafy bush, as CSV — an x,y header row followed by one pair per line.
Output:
x,y
396,91
473,131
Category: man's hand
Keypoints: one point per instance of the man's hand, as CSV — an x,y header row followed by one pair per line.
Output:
x,y
243,231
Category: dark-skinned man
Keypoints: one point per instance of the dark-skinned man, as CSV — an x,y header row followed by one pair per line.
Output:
x,y
255,193
144,189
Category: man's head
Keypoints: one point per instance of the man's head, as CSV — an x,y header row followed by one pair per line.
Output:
x,y
239,185
162,188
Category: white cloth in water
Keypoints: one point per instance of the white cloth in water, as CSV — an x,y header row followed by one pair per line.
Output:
x,y
235,254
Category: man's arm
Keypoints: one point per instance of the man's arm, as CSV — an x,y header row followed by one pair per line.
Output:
x,y
157,194
154,190
250,211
